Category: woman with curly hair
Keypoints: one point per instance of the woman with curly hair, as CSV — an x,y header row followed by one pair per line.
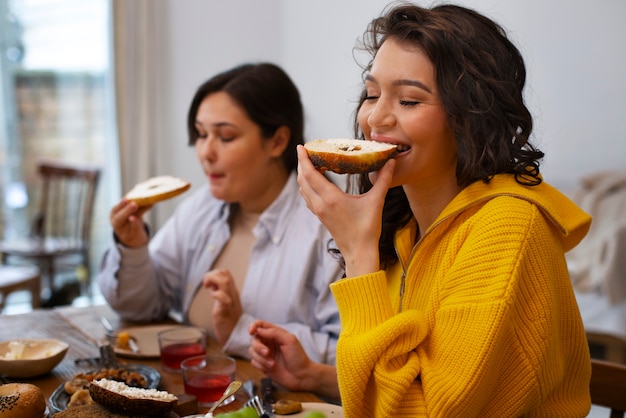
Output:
x,y
457,299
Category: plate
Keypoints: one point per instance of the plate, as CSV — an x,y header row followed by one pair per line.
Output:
x,y
59,398
328,409
147,340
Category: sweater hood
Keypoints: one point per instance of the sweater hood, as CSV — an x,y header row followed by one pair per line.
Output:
x,y
572,222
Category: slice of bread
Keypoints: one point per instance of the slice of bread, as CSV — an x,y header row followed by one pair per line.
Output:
x,y
123,399
349,156
157,189
92,411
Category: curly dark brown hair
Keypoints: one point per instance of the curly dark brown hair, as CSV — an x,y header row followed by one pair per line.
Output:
x,y
480,78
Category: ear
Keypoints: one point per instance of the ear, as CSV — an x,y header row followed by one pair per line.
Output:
x,y
279,141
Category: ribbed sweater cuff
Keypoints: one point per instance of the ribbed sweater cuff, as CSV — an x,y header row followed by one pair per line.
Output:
x,y
363,302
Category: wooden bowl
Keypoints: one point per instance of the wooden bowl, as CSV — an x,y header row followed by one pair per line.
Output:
x,y
23,358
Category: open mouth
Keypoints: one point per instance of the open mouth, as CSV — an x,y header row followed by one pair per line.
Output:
x,y
403,148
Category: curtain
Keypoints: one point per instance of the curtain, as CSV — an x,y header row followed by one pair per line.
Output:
x,y
135,61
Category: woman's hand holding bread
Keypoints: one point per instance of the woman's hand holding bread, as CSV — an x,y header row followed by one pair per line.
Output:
x,y
127,222
357,226
126,216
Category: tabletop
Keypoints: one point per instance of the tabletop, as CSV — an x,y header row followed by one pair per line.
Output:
x,y
82,329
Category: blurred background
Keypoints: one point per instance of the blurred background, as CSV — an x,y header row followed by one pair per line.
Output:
x,y
109,82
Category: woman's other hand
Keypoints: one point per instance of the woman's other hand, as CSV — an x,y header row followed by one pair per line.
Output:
x,y
279,354
127,222
227,307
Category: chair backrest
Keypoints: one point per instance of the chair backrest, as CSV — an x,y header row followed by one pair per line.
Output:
x,y
66,201
612,346
608,386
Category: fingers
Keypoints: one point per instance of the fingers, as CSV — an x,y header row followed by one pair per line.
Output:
x,y
222,286
318,192
121,212
309,178
142,210
218,279
260,354
382,178
270,334
254,326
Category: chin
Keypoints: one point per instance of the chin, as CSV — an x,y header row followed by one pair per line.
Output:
x,y
218,193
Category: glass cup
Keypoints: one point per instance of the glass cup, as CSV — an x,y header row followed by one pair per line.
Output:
x,y
207,377
180,343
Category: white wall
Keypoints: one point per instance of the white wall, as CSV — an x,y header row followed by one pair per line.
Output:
x,y
574,51
199,39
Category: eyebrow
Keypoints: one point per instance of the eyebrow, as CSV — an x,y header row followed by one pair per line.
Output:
x,y
403,82
216,125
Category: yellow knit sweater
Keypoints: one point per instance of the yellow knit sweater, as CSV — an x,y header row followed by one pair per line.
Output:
x,y
488,326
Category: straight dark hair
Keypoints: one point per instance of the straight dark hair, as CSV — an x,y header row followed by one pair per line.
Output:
x,y
268,96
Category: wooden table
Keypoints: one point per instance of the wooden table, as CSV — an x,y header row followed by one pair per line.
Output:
x,y
82,330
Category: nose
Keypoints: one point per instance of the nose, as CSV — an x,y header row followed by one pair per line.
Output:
x,y
381,114
205,148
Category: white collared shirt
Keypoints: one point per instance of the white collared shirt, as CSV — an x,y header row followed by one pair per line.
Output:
x,y
287,283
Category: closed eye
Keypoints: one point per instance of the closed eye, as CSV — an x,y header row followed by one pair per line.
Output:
x,y
408,103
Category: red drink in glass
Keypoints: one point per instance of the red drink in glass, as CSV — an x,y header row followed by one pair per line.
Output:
x,y
174,354
207,389
207,377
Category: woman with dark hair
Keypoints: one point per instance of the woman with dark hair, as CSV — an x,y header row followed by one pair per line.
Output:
x,y
457,300
243,248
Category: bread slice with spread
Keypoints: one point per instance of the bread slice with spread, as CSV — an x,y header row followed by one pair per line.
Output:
x,y
349,156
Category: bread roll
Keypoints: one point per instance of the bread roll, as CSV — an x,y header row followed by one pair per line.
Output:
x,y
123,399
19,400
349,156
157,189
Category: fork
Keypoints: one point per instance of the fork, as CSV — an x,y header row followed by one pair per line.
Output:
x,y
255,402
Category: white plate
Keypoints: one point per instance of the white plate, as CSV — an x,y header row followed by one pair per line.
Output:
x,y
328,409
147,340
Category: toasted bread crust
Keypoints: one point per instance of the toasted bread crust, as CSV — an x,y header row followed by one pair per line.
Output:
x,y
91,411
349,156
142,401
21,400
157,189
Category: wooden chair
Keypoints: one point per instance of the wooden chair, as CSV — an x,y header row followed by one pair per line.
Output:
x,y
612,347
61,228
608,386
14,278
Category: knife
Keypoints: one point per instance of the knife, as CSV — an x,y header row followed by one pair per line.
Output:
x,y
267,395
134,347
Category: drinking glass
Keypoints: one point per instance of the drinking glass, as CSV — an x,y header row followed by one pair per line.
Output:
x,y
207,377
180,343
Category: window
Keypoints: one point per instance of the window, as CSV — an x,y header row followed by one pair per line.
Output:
x,y
56,101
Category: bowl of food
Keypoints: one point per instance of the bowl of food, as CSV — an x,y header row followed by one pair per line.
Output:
x,y
23,358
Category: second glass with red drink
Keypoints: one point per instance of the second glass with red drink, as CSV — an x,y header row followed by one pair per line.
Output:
x,y
179,343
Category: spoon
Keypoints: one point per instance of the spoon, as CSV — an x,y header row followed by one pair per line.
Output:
x,y
107,325
234,386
